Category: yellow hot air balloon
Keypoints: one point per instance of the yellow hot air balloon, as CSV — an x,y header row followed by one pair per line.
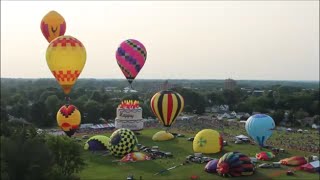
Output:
x,y
66,57
53,25
167,105
69,119
207,141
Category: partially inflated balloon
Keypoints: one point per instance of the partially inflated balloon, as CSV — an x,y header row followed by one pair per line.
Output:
x,y
235,164
53,25
69,119
66,57
167,105
131,56
207,141
260,127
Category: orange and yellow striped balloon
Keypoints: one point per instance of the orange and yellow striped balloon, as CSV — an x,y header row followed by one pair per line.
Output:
x,y
66,57
167,105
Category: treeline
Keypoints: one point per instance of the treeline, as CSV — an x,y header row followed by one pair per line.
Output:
x,y
38,101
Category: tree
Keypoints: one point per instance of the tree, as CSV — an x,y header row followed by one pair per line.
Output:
x,y
24,155
277,116
39,115
231,97
67,156
215,98
93,111
109,110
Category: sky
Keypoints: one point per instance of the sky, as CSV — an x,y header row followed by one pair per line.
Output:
x,y
252,40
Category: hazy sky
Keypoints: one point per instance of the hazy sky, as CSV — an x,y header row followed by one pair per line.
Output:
x,y
277,40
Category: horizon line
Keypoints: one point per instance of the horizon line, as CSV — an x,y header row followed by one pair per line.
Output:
x,y
166,79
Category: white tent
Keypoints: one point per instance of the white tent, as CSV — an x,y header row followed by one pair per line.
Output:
x,y
242,137
314,126
299,130
289,129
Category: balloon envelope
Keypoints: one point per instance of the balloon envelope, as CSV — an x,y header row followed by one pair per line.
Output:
x,y
69,119
53,25
211,166
167,105
260,127
135,156
97,143
66,57
207,141
235,164
131,56
122,142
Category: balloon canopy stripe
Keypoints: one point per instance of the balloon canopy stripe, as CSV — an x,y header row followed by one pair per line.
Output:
x,y
160,111
63,28
45,29
68,76
126,73
136,47
169,108
131,61
66,41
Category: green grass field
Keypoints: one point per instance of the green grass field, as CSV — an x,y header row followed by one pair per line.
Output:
x,y
102,167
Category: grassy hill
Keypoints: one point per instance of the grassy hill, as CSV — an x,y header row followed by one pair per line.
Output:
x,y
101,166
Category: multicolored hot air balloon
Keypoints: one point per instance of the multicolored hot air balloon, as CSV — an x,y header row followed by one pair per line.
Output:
x,y
131,56
265,156
69,119
167,105
135,156
66,57
53,25
97,143
235,164
260,127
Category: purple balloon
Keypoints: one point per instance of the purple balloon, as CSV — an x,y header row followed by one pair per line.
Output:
x,y
211,166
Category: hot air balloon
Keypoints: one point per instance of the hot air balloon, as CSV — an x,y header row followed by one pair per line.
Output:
x,y
122,142
260,127
265,156
69,119
53,25
135,156
294,161
167,105
207,141
66,57
97,143
131,56
235,164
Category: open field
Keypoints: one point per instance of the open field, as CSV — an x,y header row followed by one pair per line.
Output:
x,y
101,166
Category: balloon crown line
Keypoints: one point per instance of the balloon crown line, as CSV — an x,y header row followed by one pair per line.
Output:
x,y
129,104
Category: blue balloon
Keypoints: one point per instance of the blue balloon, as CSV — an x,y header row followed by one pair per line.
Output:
x,y
260,127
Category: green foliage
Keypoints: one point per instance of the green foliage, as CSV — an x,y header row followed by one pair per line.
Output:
x,y
66,155
38,101
39,115
278,116
93,111
24,155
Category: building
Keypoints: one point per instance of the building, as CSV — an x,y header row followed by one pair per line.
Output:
x,y
230,84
